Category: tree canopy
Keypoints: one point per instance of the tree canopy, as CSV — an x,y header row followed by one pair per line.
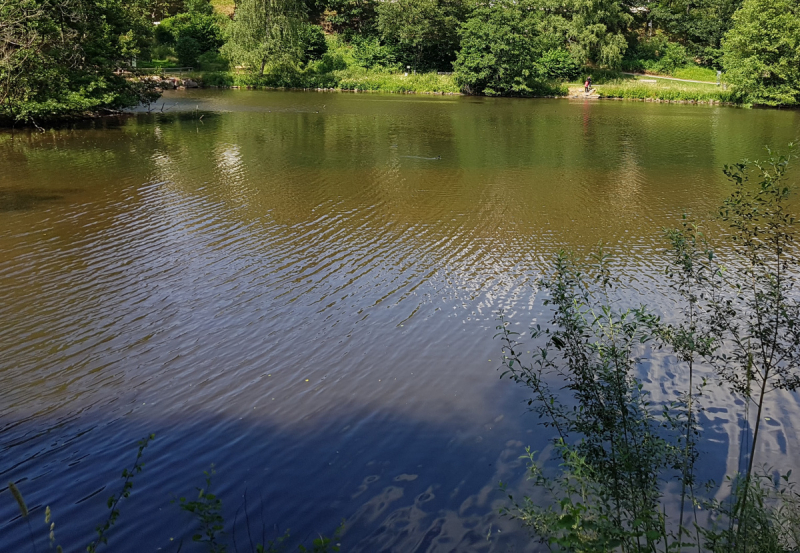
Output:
x,y
762,51
60,57
264,31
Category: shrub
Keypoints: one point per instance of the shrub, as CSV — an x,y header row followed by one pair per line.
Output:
x,y
618,450
312,43
558,65
187,50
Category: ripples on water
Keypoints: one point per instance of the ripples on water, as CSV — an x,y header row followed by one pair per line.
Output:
x,y
301,289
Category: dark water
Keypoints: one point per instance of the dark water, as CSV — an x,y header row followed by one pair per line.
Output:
x,y
301,289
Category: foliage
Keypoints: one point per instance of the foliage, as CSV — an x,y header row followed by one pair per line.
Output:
x,y
617,450
657,55
612,449
768,523
114,500
59,59
351,17
595,30
347,78
188,50
668,91
762,52
369,53
265,31
513,48
423,32
558,65
207,509
499,49
204,28
761,319
312,43
699,25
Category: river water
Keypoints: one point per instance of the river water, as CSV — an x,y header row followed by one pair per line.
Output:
x,y
301,289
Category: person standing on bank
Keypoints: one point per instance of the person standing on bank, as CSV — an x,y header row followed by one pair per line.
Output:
x,y
586,86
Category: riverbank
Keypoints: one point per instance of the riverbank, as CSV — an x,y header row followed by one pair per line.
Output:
x,y
346,79
643,88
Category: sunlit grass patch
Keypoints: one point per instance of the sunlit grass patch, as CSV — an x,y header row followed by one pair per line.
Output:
x,y
225,7
666,90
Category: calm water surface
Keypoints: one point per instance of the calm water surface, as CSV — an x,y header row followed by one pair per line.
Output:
x,y
301,288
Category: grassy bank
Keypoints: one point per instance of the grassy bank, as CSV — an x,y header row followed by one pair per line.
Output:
x,y
672,91
607,84
345,79
610,84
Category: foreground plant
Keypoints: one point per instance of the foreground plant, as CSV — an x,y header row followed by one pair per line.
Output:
x,y
207,512
617,449
609,438
113,505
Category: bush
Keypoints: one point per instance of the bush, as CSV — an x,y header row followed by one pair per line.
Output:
x,y
675,56
312,43
657,55
212,61
204,28
187,50
618,450
162,52
558,65
369,52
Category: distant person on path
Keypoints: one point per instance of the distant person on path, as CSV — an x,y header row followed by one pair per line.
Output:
x,y
589,80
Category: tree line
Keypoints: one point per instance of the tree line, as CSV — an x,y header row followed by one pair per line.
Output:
x,y
62,57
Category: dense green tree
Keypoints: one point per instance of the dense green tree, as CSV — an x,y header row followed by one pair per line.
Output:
x,y
265,31
60,57
499,49
198,22
511,47
188,50
350,17
423,32
594,29
762,52
312,43
699,25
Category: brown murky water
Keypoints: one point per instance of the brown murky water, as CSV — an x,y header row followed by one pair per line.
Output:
x,y
301,289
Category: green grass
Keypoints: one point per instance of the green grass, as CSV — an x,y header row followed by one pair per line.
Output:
x,y
395,82
344,79
607,84
696,73
157,64
668,91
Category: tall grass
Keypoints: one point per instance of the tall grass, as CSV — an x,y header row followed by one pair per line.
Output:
x,y
344,79
669,91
